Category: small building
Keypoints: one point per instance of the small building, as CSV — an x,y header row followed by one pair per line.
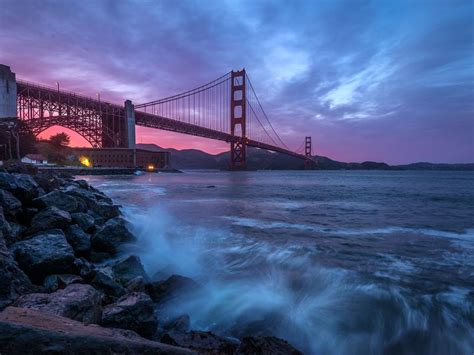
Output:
x,y
35,159
123,158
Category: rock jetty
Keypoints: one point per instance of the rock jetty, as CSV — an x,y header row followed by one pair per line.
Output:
x,y
67,284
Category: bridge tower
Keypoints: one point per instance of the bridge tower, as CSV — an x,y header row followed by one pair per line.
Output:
x,y
309,162
238,121
7,93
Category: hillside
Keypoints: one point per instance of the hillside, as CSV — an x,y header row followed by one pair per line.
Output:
x,y
258,159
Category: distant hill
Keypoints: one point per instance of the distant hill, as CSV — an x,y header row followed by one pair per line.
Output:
x,y
258,159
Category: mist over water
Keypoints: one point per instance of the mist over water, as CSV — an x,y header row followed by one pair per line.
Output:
x,y
334,262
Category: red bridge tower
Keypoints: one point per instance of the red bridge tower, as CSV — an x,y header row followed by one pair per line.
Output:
x,y
238,118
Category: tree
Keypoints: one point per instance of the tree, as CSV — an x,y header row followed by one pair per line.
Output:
x,y
60,139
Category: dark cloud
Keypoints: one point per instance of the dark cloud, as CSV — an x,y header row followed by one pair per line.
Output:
x,y
370,80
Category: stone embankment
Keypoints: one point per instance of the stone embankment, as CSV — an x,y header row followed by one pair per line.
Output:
x,y
67,284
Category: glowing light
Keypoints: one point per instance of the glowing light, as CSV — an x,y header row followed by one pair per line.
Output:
x,y
150,167
85,161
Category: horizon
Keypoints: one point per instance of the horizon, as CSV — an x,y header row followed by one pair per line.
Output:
x,y
369,81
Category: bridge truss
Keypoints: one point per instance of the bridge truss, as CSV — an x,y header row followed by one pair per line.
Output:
x,y
225,109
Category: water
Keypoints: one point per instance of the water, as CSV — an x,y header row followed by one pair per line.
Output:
x,y
344,262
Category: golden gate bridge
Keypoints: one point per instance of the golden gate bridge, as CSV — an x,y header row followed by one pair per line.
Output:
x,y
225,109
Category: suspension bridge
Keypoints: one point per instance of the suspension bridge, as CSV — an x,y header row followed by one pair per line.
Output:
x,y
225,109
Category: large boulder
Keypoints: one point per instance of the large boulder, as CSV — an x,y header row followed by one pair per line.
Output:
x,y
104,281
77,301
78,239
13,281
83,220
56,282
174,286
201,342
134,311
266,346
27,188
11,205
49,218
8,182
43,255
57,199
128,268
28,331
47,181
98,204
111,236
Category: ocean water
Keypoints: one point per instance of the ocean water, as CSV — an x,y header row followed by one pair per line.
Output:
x,y
336,262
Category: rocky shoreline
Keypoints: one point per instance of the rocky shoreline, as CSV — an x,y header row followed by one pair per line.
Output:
x,y
67,284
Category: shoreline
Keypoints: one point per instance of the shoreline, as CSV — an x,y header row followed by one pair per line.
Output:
x,y
67,275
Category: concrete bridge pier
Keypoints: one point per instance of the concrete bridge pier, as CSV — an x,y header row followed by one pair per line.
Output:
x,y
130,125
7,93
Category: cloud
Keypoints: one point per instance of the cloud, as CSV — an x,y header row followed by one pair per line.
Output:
x,y
343,71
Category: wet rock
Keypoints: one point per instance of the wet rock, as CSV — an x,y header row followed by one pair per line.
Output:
x,y
202,342
78,239
138,284
134,311
55,282
128,268
8,182
111,235
266,346
11,205
43,255
49,218
35,332
179,324
175,285
13,281
84,221
84,269
57,199
27,188
105,282
106,210
77,301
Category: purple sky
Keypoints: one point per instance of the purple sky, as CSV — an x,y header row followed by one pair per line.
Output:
x,y
368,80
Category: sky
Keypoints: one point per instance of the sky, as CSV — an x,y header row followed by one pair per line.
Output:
x,y
377,80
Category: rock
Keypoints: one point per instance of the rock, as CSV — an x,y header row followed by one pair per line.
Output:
x,y
84,221
57,199
106,210
5,228
13,281
84,269
128,268
49,218
8,182
47,181
134,311
202,342
163,291
111,235
266,346
97,203
180,324
27,188
11,205
35,332
77,301
43,255
16,232
55,282
137,284
105,282
78,239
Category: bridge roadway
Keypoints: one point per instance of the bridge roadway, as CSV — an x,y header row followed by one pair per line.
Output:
x,y
70,99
